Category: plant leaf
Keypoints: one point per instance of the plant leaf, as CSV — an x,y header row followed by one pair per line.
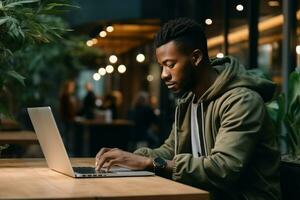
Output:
x,y
11,5
3,20
294,86
281,106
295,107
50,6
16,76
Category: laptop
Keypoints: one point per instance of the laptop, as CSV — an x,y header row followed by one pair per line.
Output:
x,y
55,152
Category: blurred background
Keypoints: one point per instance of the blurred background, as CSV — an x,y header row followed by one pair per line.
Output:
x,y
101,79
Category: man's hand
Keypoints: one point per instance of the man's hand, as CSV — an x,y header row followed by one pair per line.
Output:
x,y
110,157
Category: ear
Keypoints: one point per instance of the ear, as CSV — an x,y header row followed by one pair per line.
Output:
x,y
197,57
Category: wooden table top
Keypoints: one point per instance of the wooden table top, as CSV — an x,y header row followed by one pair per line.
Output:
x,y
99,122
31,179
18,137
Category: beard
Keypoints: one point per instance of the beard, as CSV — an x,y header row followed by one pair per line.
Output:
x,y
189,81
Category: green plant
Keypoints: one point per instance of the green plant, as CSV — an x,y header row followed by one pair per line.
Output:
x,y
286,114
22,23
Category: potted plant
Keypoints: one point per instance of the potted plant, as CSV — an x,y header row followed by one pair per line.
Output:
x,y
286,117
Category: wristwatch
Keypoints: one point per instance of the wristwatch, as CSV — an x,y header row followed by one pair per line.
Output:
x,y
159,164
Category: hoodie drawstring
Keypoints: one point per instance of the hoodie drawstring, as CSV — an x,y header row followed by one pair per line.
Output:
x,y
177,113
176,128
203,127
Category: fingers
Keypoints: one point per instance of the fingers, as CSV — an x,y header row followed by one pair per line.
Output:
x,y
111,163
100,153
105,155
104,158
110,157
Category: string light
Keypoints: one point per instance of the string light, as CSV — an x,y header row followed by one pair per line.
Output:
x,y
113,59
239,7
150,78
273,3
298,49
102,71
140,57
220,55
96,76
109,69
208,21
89,43
102,34
110,29
122,69
95,41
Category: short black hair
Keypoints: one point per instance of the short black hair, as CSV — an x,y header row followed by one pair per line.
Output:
x,y
187,34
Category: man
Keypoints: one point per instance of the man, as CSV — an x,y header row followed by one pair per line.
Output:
x,y
222,139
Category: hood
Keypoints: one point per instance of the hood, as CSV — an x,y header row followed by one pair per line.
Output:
x,y
232,75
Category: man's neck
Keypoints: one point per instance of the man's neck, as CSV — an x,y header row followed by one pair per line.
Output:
x,y
208,76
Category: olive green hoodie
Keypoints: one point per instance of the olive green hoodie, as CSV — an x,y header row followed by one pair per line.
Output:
x,y
243,156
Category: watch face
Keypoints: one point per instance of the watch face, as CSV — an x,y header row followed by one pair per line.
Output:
x,y
159,162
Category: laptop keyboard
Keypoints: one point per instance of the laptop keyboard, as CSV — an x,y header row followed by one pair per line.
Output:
x,y
113,172
89,170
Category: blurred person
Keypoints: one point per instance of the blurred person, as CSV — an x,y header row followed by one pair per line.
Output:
x,y
110,104
154,104
89,101
222,138
119,100
146,122
68,111
118,97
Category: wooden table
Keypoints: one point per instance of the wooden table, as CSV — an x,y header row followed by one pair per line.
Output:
x,y
31,179
98,122
18,137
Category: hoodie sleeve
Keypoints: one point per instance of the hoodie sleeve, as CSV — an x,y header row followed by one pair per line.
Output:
x,y
241,117
165,151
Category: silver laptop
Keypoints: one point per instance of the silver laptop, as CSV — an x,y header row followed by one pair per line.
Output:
x,y
56,155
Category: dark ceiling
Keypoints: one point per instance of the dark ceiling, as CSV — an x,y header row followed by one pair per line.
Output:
x,y
136,21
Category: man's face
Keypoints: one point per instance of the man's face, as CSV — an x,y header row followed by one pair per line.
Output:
x,y
178,71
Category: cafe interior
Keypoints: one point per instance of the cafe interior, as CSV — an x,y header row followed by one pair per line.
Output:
x,y
98,65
